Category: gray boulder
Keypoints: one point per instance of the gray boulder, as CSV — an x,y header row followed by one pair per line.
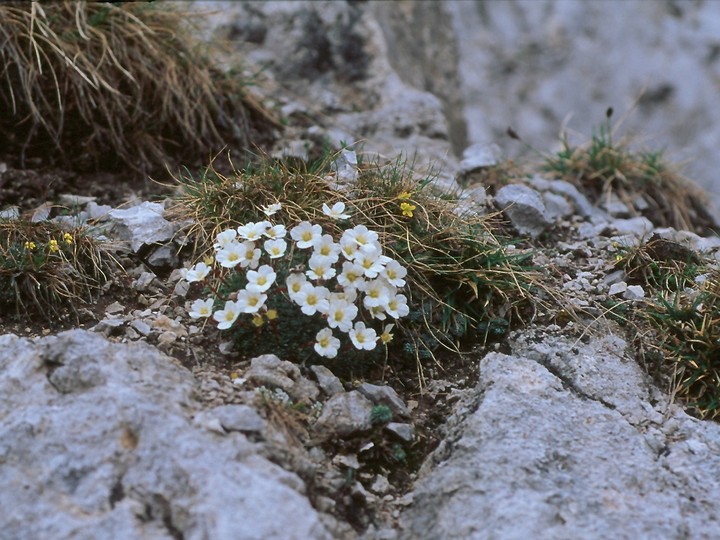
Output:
x,y
564,440
97,442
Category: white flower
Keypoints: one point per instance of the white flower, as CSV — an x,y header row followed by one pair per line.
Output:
x,y
231,255
306,234
341,314
250,300
261,279
363,338
312,299
326,247
348,246
394,272
396,306
377,293
336,212
294,283
351,275
320,268
197,273
371,262
226,317
252,231
326,344
224,238
275,248
271,209
275,232
362,235
349,294
386,337
252,255
201,308
377,312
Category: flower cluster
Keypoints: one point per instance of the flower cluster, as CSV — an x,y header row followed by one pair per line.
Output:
x,y
349,283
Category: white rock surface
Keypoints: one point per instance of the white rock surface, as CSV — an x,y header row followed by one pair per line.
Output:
x,y
97,442
566,440
537,65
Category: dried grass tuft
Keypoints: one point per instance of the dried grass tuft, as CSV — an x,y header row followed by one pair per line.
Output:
x,y
115,86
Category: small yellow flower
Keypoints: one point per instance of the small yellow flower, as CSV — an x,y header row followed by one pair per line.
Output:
x,y
257,320
271,314
407,209
68,239
30,245
54,245
404,196
618,258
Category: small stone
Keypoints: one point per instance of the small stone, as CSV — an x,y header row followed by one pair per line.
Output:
x,y
634,292
525,208
164,257
141,326
115,307
617,288
269,370
181,288
242,418
347,460
478,156
108,325
344,415
384,395
166,339
328,382
380,485
144,281
403,431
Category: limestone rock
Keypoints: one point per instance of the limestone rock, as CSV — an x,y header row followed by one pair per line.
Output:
x,y
97,442
143,224
566,440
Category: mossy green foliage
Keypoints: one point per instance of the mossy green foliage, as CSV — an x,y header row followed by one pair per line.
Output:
x,y
98,85
605,167
45,269
461,282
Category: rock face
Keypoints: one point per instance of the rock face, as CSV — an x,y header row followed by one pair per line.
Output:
x,y
566,440
97,442
533,64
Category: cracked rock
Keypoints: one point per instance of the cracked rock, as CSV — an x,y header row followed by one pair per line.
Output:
x,y
554,443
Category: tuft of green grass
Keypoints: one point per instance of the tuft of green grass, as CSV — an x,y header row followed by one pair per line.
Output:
x,y
678,326
604,167
687,337
461,284
45,269
115,86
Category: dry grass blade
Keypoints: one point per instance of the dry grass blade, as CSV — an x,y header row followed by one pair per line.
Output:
x,y
115,86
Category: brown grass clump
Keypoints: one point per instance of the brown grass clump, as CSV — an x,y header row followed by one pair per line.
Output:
x,y
644,181
97,85
45,269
